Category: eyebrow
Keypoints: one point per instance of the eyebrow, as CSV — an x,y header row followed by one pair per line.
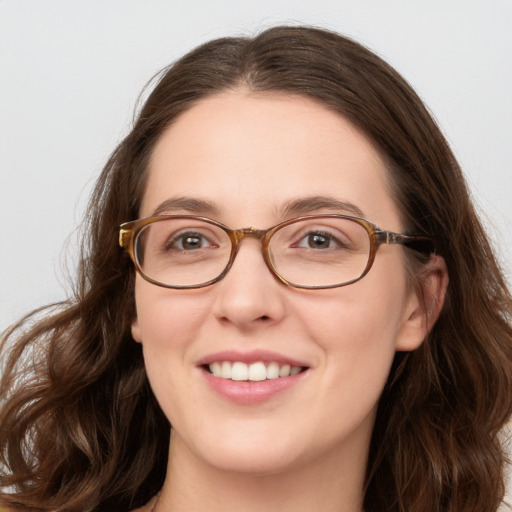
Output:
x,y
311,204
190,204
300,206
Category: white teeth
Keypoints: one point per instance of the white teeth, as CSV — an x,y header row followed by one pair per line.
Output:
x,y
253,372
284,371
216,369
257,371
226,370
272,371
239,371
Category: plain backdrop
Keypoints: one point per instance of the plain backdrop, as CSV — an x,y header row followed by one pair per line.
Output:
x,y
71,70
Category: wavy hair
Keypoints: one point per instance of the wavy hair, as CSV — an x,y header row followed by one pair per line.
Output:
x,y
80,428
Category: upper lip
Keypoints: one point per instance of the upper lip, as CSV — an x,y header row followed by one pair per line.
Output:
x,y
249,357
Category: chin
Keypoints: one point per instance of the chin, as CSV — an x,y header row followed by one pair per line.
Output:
x,y
257,451
255,461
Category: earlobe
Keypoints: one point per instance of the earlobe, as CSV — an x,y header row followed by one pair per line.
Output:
x,y
424,305
136,330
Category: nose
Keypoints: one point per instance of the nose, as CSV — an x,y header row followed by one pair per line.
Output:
x,y
249,295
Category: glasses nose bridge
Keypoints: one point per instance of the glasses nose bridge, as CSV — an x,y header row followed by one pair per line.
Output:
x,y
240,234
237,235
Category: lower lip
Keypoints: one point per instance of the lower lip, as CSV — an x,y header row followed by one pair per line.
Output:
x,y
248,392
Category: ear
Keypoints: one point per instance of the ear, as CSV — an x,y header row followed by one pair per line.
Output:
x,y
424,305
136,330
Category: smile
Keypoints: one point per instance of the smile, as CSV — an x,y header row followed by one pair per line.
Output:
x,y
254,372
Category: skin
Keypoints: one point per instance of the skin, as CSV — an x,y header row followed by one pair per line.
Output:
x,y
250,155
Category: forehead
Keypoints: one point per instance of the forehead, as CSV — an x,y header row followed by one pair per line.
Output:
x,y
249,154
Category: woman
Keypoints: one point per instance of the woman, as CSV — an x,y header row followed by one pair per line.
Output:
x,y
260,343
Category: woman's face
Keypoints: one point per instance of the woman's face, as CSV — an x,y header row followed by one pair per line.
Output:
x,y
247,161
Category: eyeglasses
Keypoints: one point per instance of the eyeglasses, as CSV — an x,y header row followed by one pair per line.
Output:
x,y
313,251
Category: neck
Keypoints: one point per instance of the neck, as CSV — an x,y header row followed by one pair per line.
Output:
x,y
332,482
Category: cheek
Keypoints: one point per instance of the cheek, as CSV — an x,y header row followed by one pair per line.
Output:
x,y
356,317
358,341
357,328
167,324
167,318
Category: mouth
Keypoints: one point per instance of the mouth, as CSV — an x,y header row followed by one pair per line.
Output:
x,y
252,377
252,372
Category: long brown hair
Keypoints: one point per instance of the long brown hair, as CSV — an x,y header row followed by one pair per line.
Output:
x,y
80,427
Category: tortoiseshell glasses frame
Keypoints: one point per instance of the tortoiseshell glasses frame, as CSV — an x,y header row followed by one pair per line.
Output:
x,y
131,240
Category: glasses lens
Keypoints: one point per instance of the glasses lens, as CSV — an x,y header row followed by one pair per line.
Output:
x,y
322,251
182,252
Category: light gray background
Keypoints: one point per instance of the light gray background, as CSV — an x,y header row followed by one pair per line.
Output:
x,y
71,70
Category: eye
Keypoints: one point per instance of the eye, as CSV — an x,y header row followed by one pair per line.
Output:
x,y
319,240
189,241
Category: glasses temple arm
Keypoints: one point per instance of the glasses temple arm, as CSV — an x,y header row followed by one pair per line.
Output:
x,y
417,243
